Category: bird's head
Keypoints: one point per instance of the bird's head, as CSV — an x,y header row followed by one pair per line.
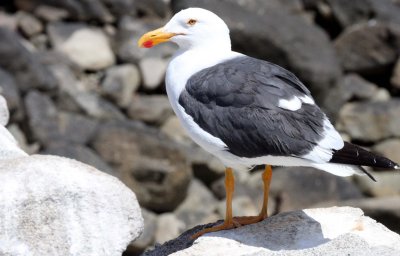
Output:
x,y
190,28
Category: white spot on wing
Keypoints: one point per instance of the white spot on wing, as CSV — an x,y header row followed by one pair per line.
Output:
x,y
292,104
308,100
295,103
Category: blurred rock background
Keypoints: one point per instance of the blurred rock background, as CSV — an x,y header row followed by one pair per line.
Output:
x,y
78,86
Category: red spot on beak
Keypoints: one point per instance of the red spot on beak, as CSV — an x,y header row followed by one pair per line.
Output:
x,y
148,44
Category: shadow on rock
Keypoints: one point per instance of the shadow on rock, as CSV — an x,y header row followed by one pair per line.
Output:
x,y
321,231
286,231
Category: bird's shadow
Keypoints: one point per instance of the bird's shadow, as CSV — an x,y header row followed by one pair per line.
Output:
x,y
285,231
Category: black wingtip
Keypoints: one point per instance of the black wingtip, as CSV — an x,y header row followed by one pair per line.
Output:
x,y
355,155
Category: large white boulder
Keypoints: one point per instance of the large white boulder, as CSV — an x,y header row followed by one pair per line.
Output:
x,y
323,231
57,206
54,206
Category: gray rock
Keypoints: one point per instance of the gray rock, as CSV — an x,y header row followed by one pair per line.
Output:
x,y
153,72
389,148
150,164
198,205
285,39
350,87
42,116
9,90
80,94
87,10
69,86
80,153
153,109
358,87
395,79
118,8
16,59
120,83
58,206
48,124
387,184
75,40
29,24
50,13
97,107
370,121
147,238
77,128
129,31
368,48
158,8
261,7
351,12
301,187
40,42
324,231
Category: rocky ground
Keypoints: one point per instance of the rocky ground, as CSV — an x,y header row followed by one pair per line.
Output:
x,y
77,86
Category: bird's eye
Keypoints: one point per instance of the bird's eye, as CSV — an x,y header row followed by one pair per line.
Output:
x,y
191,22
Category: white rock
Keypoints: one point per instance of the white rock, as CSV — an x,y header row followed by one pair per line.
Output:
x,y
168,227
56,206
8,145
120,83
153,72
86,46
324,231
4,114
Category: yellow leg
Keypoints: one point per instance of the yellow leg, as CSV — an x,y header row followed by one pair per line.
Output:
x,y
229,223
266,177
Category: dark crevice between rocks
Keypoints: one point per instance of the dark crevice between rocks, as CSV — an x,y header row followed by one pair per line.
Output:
x,y
380,77
203,173
8,6
180,243
328,23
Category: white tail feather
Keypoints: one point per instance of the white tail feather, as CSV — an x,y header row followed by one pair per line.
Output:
x,y
339,169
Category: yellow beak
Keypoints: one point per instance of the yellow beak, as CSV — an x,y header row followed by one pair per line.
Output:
x,y
154,37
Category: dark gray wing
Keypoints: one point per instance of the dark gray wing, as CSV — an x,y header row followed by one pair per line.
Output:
x,y
237,101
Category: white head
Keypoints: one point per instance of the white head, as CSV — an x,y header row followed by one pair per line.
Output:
x,y
191,28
